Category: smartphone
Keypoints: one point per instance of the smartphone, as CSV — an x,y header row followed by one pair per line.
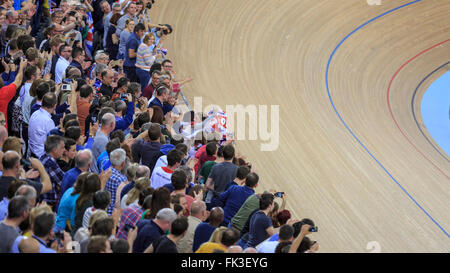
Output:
x,y
94,119
60,237
128,227
66,87
279,194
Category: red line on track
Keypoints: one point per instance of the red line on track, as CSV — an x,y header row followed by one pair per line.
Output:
x,y
390,108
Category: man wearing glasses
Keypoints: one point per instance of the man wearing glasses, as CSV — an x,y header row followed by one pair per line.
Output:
x,y
65,53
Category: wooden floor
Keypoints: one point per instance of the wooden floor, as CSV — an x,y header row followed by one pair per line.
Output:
x,y
368,180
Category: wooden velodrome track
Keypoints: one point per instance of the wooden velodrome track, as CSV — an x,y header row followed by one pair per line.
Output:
x,y
350,157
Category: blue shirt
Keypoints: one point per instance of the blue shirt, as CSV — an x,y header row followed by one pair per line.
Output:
x,y
165,107
122,123
87,145
66,209
4,208
202,234
148,232
18,4
69,179
132,43
40,125
233,199
258,225
103,162
128,187
43,246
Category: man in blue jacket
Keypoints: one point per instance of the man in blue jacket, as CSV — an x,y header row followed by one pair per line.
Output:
x,y
123,122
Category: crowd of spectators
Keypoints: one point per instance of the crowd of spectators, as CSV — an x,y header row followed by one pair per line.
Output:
x,y
93,146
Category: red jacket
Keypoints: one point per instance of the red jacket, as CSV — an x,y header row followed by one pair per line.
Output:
x,y
6,94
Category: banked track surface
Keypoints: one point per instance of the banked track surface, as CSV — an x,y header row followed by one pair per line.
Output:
x,y
276,53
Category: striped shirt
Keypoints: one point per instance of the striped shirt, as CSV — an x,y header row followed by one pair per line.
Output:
x,y
56,177
112,185
145,58
130,216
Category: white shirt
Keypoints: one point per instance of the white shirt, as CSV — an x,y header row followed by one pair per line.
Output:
x,y
162,162
160,177
40,125
267,247
61,66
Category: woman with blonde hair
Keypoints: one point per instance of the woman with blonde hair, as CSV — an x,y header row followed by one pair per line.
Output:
x,y
83,233
33,214
131,175
133,196
216,236
146,56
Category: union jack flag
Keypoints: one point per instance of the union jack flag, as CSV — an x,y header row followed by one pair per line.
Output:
x,y
52,5
88,43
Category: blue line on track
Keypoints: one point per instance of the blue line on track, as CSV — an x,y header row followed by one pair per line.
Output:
x,y
348,128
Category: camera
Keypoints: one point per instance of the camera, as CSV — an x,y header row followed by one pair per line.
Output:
x,y
314,229
66,87
8,59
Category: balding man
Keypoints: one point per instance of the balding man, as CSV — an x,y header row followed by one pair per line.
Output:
x,y
12,18
250,250
29,192
107,123
198,215
83,161
235,249
204,230
12,170
28,245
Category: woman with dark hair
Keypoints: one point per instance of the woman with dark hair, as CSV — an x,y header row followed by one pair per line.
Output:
x,y
160,200
85,200
66,208
158,117
112,41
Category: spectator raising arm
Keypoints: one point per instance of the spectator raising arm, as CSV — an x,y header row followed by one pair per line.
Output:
x,y
73,97
303,232
19,76
45,178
